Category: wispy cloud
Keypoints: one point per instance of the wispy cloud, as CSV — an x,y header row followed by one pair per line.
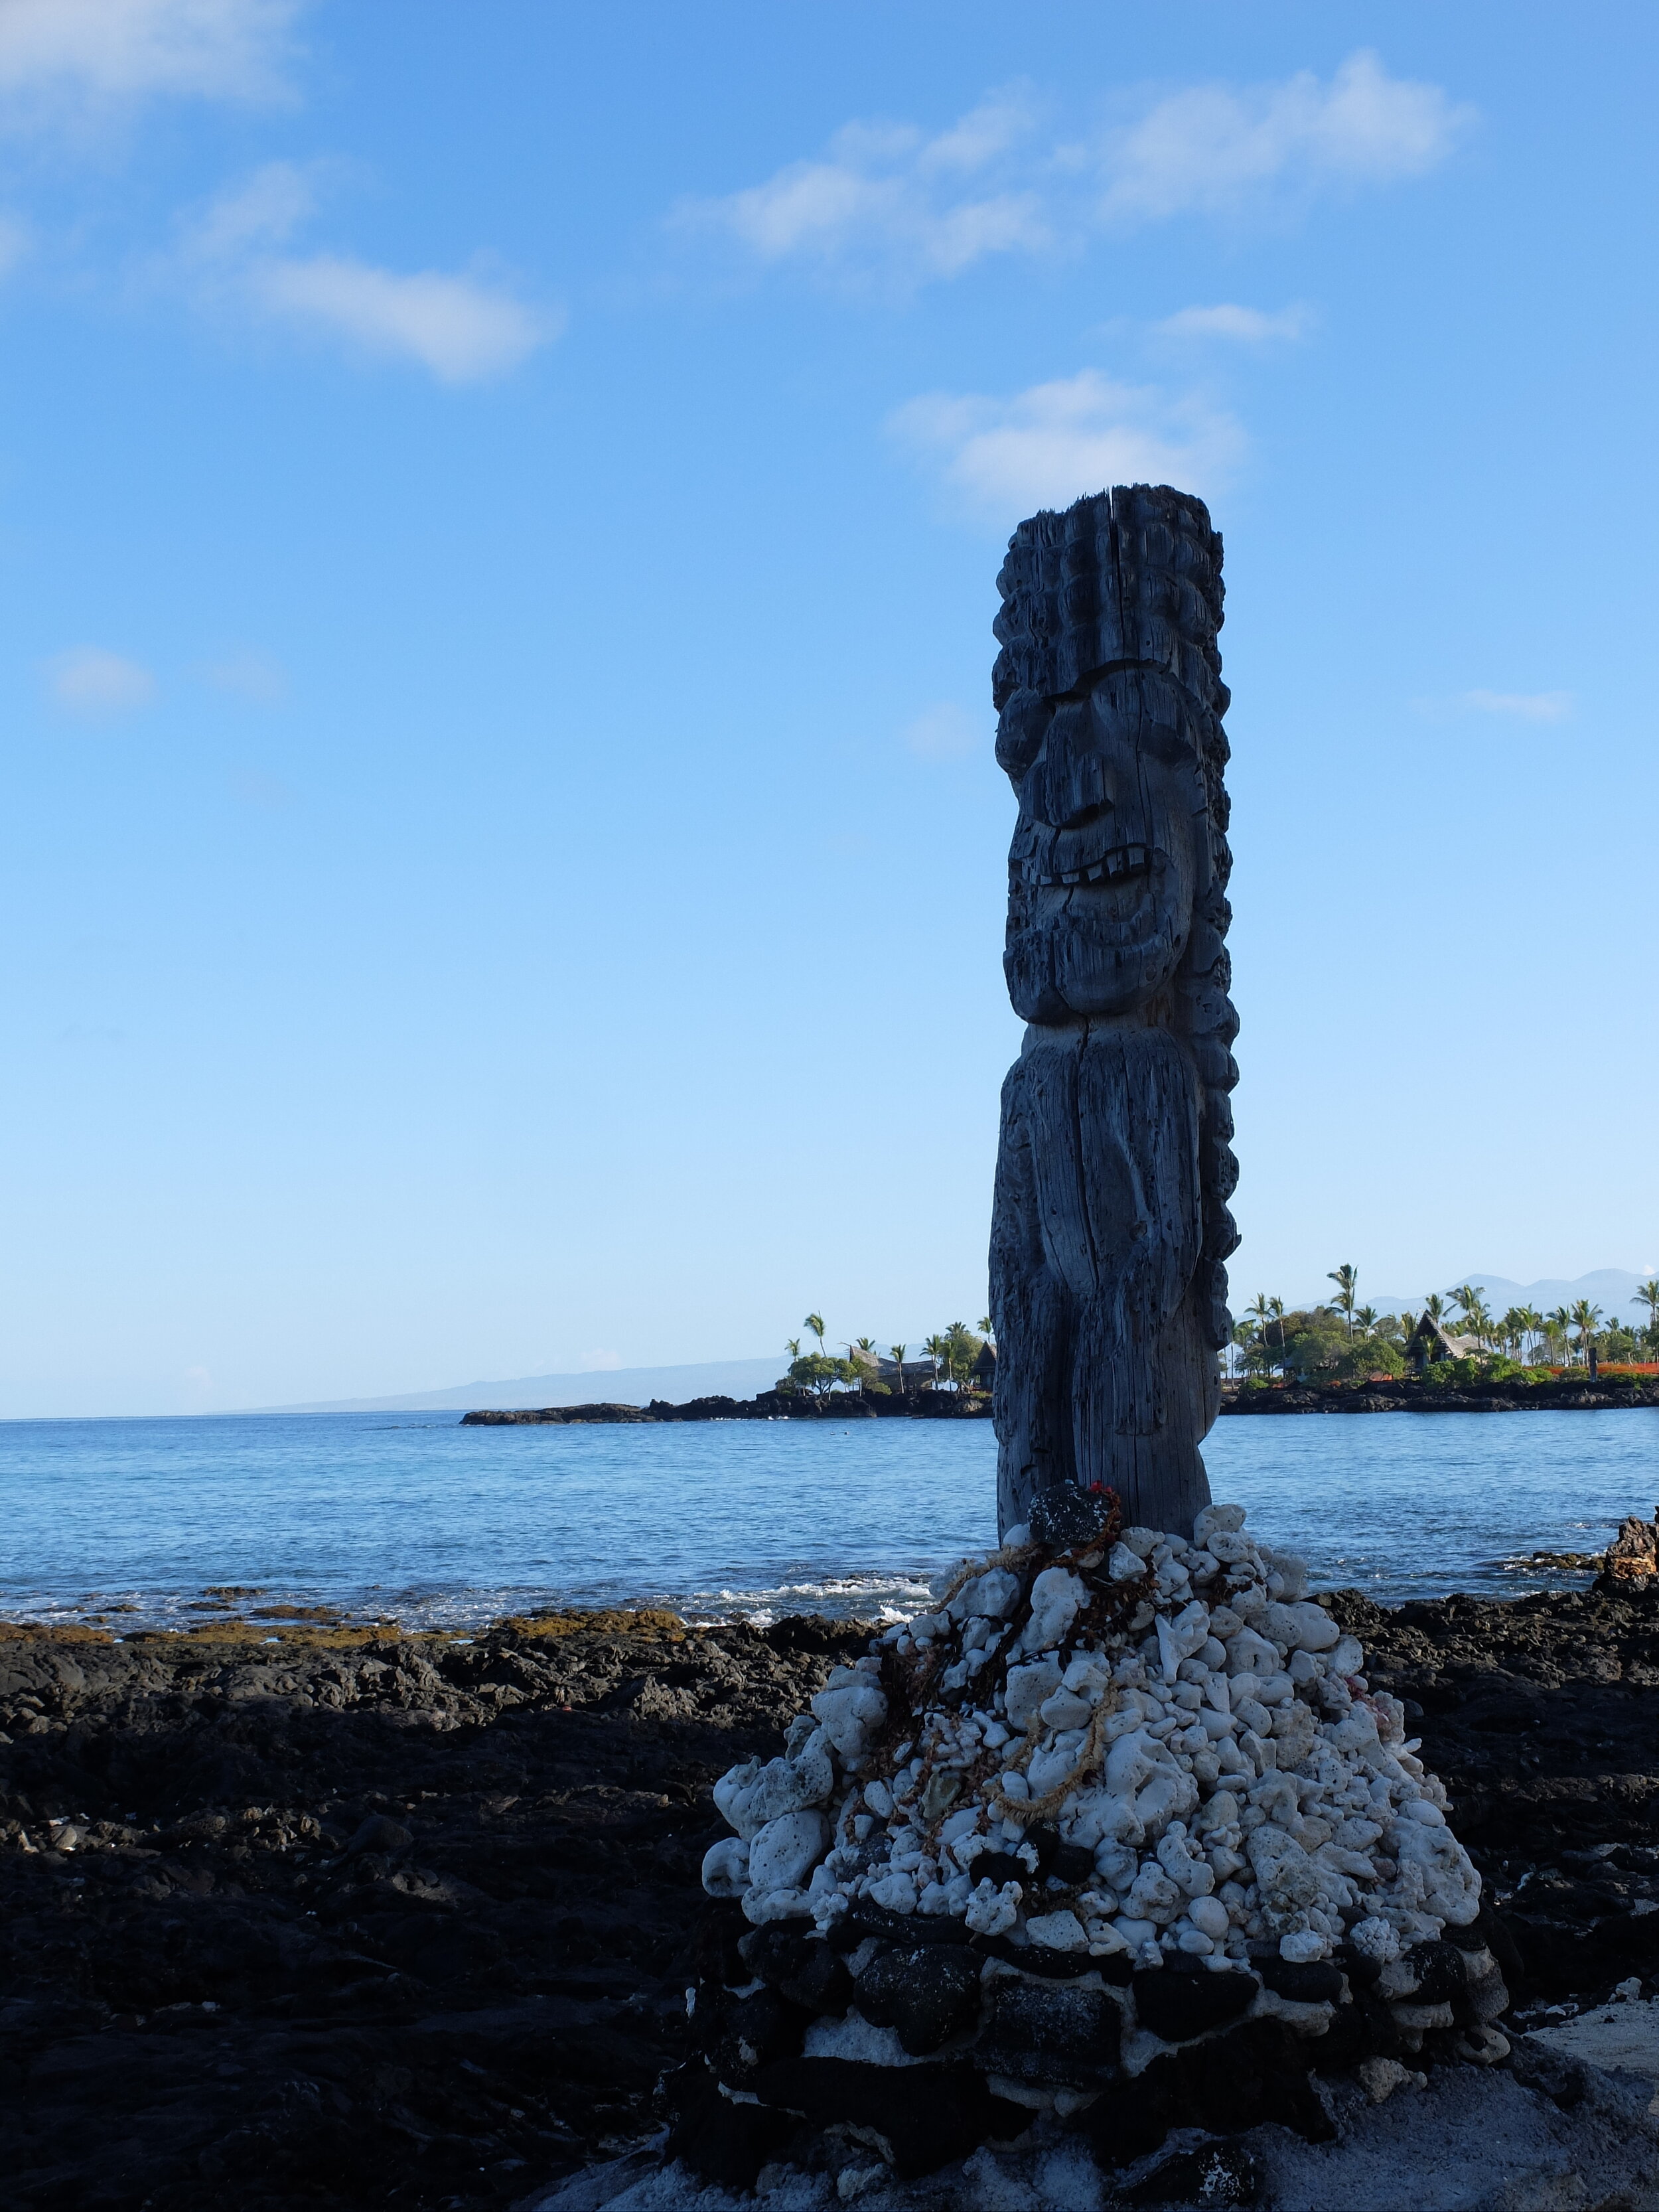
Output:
x,y
1526,706
84,53
463,328
889,192
98,685
945,732
1048,445
1218,148
1235,325
890,196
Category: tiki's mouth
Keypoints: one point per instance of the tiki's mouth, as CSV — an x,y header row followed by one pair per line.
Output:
x,y
1124,864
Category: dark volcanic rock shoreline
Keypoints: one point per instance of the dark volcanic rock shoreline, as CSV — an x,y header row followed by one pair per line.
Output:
x,y
357,1920
769,1406
1564,1394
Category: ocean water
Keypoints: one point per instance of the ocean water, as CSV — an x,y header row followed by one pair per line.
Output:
x,y
410,1516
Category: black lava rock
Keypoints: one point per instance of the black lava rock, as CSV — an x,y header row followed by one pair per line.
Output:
x,y
1346,2041
1068,1519
1043,1837
802,1968
1072,1863
926,1996
757,2029
998,1867
1037,2031
773,1954
1314,1981
823,1985
1255,2071
1053,1966
848,1932
1439,1968
926,2115
1178,2006
1215,2173
727,2142
378,1834
1363,1972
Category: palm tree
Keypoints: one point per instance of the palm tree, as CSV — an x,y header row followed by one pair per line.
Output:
x,y
1532,1323
1346,1279
1561,1320
1648,1296
938,1348
1584,1318
791,1346
815,1322
1435,1306
1367,1317
1266,1310
1471,1300
898,1351
1245,1334
861,1354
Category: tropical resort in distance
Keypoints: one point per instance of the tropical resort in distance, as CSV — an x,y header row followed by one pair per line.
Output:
x,y
1455,1338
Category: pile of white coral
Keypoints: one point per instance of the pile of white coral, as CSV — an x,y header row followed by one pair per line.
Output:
x,y
1194,1727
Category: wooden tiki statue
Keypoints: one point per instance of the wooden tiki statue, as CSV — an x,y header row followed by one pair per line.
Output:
x,y
1110,1228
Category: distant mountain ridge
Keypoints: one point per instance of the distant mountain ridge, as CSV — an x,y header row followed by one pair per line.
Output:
x,y
1611,1288
621,1386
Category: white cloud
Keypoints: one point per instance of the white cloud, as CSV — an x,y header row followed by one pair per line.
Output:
x,y
91,682
888,195
264,210
1236,326
103,50
887,192
944,732
1527,706
460,327
1214,148
1049,446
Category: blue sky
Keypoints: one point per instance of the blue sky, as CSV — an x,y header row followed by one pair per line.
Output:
x,y
499,511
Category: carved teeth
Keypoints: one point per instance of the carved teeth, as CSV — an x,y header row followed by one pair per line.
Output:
x,y
1117,867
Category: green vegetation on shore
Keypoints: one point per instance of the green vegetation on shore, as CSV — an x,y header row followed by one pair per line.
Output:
x,y
1343,1341
953,1357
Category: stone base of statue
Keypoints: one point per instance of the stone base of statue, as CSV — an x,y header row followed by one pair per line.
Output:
x,y
1116,1842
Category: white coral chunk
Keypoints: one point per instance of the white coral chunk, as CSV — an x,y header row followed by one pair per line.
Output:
x,y
725,1868
787,1849
1057,1597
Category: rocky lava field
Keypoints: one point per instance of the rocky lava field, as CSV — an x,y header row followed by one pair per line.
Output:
x,y
345,1919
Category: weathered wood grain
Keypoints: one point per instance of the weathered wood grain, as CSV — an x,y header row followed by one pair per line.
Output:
x,y
1109,1224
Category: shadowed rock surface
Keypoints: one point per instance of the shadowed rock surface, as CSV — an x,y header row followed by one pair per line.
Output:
x,y
443,1897
359,1923
1565,1393
769,1406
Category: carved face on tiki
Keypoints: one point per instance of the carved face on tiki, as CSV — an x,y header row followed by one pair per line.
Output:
x,y
1111,852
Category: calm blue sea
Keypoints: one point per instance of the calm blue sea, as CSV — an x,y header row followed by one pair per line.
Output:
x,y
413,1516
